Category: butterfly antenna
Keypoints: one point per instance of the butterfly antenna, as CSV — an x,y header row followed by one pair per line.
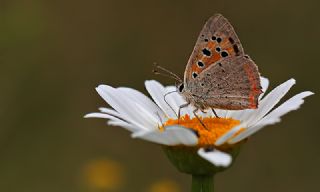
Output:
x,y
165,72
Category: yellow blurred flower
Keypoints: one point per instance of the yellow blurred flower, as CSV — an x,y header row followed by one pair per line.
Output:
x,y
165,185
104,174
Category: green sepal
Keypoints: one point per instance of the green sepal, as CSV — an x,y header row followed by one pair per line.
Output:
x,y
187,160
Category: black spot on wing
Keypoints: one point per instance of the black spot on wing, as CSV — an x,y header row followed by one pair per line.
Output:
x,y
194,74
200,64
206,52
224,54
231,40
236,49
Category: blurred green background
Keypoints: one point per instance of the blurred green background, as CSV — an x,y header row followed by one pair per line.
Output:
x,y
54,53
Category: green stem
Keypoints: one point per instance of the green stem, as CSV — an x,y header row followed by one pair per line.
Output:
x,y
202,183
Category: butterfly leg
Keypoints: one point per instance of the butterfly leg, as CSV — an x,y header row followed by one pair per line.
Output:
x,y
180,107
160,120
194,113
215,113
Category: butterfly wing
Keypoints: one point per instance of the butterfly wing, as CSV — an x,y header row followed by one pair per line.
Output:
x,y
233,83
217,41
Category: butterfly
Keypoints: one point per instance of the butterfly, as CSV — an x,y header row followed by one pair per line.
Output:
x,y
218,73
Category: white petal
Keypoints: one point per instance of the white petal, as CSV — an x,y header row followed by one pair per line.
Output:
x,y
172,135
114,121
216,157
150,118
157,92
124,106
125,125
264,84
242,115
111,112
221,112
224,138
100,115
269,101
245,134
274,116
142,100
176,100
290,105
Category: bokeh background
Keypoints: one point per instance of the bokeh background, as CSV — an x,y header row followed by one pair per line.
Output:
x,y
54,53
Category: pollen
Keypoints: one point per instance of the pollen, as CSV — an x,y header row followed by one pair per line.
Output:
x,y
209,133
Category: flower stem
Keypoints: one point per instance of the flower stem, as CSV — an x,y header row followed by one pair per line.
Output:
x,y
202,183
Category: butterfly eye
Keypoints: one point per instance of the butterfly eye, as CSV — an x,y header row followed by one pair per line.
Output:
x,y
181,88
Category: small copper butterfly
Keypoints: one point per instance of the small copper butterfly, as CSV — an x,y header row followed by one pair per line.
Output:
x,y
219,74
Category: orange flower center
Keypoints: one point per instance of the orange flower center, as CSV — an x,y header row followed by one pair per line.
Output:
x,y
208,134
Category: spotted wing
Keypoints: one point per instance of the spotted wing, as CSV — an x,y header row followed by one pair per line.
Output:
x,y
233,83
216,41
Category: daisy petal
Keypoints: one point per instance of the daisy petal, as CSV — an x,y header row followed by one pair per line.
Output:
x,y
269,101
220,113
111,112
125,125
114,121
151,118
224,138
216,157
172,135
141,99
101,115
264,84
157,92
245,134
290,105
274,116
122,104
176,100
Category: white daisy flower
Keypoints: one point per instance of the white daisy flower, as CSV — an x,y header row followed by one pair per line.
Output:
x,y
156,120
